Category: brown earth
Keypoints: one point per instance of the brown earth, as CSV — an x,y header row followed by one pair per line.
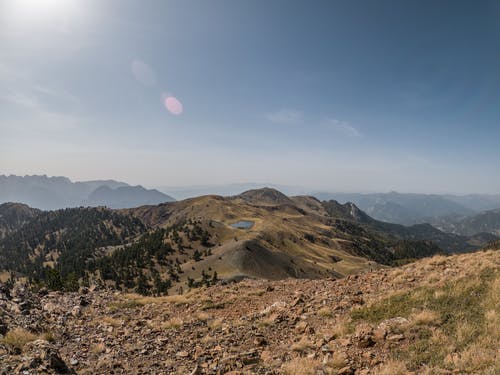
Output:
x,y
290,326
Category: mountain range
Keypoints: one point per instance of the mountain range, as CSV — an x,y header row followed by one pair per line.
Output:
x,y
50,193
408,209
261,233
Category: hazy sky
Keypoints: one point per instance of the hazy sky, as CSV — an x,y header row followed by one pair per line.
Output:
x,y
338,95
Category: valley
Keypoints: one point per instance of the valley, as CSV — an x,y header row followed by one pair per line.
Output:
x,y
175,246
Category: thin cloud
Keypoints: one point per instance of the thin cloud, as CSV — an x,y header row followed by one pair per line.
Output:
x,y
285,116
31,104
344,127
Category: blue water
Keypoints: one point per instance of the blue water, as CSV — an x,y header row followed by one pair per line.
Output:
x,y
243,224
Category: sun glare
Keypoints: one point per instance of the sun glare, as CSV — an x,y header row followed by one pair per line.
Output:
x,y
29,12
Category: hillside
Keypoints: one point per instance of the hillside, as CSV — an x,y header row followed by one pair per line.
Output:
x,y
15,215
59,246
484,222
436,316
449,242
175,246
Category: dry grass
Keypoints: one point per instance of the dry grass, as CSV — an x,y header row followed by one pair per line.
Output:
x,y
256,293
302,346
48,336
338,330
98,348
202,316
134,299
4,276
325,312
17,338
215,324
301,366
338,360
425,317
173,323
208,340
391,368
454,328
437,260
177,299
109,320
267,321
211,305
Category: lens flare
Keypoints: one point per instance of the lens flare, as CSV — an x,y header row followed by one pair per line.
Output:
x,y
173,105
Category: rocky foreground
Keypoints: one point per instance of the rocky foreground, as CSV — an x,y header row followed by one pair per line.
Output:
x,y
437,316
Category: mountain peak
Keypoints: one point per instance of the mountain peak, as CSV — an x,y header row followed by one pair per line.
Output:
x,y
265,196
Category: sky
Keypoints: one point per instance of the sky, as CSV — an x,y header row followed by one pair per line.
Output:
x,y
357,96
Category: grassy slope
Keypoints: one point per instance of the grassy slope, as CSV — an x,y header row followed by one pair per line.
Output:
x,y
276,238
456,324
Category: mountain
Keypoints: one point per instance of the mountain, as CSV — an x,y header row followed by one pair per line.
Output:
x,y
484,222
50,193
406,209
477,202
452,243
14,215
264,196
125,197
260,233
184,192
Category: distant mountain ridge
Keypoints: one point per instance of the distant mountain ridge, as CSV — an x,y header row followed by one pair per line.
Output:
x,y
484,222
50,193
406,209
393,207
410,209
126,197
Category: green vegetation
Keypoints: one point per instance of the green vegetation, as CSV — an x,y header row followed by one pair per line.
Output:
x,y
460,317
206,280
64,249
71,236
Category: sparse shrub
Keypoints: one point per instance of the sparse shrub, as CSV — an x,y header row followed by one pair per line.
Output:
x,y
325,312
48,336
111,321
98,348
215,324
302,346
173,323
211,305
425,317
391,368
202,316
339,330
301,366
17,338
120,305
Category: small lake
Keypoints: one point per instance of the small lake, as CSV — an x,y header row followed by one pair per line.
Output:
x,y
243,224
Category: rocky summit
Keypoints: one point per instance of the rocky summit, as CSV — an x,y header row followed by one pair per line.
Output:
x,y
439,315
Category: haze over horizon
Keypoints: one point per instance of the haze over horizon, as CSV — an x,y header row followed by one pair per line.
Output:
x,y
337,96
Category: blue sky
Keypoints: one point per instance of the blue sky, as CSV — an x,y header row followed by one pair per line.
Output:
x,y
330,95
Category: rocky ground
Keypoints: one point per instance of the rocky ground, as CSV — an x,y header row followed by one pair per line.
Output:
x,y
255,326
